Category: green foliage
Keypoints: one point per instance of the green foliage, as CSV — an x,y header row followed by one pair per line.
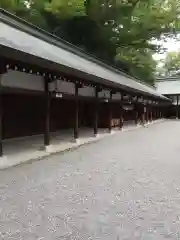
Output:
x,y
65,9
172,62
140,62
13,6
170,66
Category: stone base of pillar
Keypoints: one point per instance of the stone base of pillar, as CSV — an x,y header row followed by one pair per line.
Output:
x,y
47,148
96,135
111,132
76,140
3,159
143,124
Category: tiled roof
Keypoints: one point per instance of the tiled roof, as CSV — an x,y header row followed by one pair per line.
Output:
x,y
17,34
168,86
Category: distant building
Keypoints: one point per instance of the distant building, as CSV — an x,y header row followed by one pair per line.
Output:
x,y
170,87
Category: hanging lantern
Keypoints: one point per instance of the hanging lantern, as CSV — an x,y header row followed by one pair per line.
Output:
x,y
56,92
128,107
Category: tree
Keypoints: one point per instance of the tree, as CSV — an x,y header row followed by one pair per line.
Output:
x,y
65,9
171,65
148,20
14,6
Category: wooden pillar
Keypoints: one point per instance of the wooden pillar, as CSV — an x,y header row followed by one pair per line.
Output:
x,y
96,112
177,107
147,114
3,70
1,126
121,120
136,114
163,112
76,119
151,114
143,114
157,113
47,98
110,112
160,112
154,113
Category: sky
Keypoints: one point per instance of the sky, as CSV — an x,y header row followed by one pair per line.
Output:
x,y
171,45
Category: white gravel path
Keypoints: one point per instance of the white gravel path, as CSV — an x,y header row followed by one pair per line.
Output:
x,y
124,187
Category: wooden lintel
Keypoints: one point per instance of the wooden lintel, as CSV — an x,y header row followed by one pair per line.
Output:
x,y
3,68
98,89
79,85
113,91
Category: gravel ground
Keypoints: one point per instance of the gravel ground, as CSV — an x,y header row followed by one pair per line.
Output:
x,y
126,186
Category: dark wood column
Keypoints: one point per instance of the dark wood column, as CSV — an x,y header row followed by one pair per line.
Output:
x,y
110,111
157,112
177,107
136,114
3,70
160,112
151,114
47,98
147,114
143,119
76,115
121,117
154,112
96,111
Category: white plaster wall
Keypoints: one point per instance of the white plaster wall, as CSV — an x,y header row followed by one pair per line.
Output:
x,y
17,79
87,91
68,87
64,87
27,81
174,98
116,96
104,94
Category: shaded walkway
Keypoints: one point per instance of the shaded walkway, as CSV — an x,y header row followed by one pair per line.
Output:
x,y
126,186
25,149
